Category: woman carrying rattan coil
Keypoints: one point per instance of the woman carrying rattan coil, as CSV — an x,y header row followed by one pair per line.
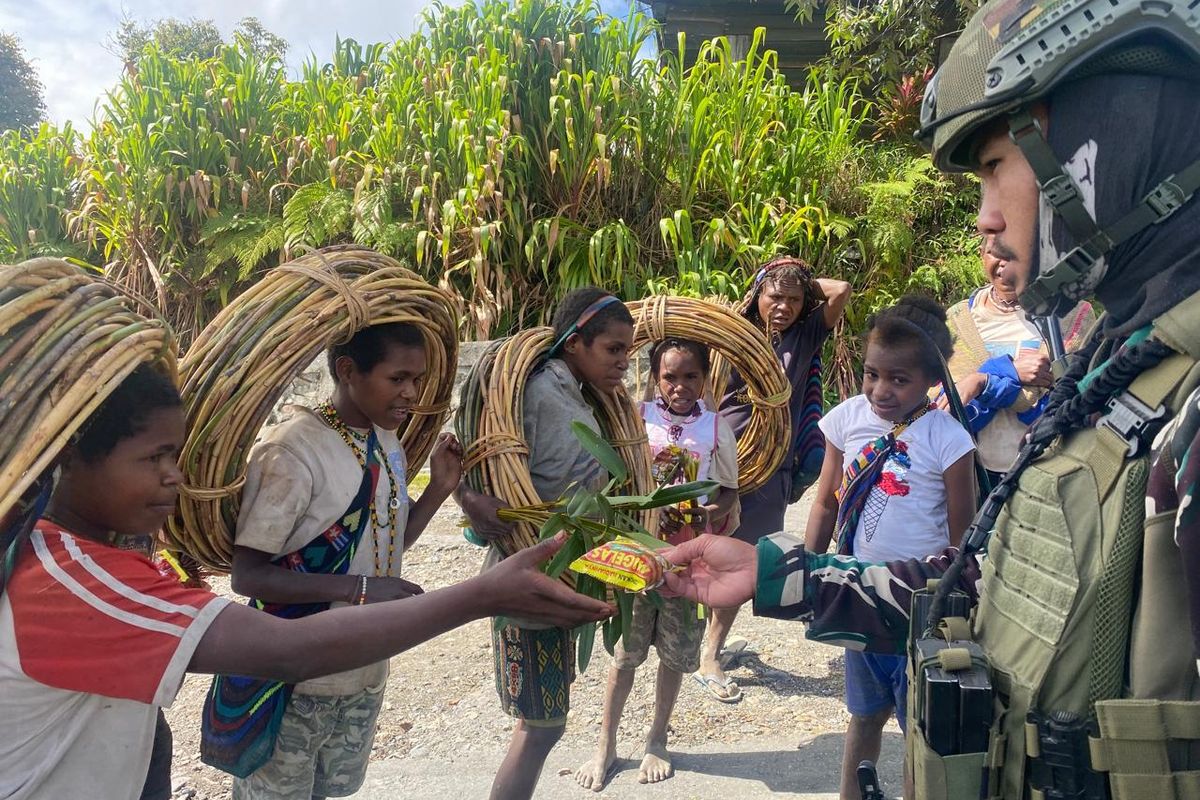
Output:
x,y
593,334
798,313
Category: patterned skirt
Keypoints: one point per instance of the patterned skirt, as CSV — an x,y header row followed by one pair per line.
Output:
x,y
534,672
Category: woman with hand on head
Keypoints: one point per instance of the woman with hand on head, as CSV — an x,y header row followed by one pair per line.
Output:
x,y
798,312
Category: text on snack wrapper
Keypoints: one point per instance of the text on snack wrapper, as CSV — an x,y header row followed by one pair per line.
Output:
x,y
612,557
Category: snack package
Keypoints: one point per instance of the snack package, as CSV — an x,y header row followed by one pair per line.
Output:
x,y
625,564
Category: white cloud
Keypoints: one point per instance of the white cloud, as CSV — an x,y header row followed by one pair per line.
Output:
x,y
66,39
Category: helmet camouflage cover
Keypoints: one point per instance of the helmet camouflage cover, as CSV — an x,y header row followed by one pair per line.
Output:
x,y
1013,52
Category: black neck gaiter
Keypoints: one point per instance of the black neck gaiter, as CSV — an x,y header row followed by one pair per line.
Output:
x,y
1119,136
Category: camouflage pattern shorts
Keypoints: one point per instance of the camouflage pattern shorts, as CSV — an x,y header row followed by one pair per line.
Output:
x,y
322,749
675,632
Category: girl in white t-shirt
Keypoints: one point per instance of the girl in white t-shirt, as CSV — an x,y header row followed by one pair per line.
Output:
x,y
898,481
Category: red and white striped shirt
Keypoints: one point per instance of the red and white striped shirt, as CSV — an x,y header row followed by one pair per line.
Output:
x,y
93,639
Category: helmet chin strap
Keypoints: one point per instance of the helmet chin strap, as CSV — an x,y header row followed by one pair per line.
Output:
x,y
1044,294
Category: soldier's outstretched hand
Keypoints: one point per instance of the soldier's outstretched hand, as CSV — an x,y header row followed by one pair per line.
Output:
x,y
717,571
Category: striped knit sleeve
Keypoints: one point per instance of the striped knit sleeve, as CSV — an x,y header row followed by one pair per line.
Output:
x,y
843,601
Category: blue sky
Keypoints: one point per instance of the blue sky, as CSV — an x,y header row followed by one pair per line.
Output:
x,y
66,39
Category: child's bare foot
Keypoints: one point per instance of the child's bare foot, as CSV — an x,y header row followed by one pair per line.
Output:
x,y
594,774
656,764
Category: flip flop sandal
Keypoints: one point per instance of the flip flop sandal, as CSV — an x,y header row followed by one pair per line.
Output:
x,y
732,653
714,686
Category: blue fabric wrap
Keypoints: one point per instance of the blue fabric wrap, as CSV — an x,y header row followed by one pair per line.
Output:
x,y
1002,389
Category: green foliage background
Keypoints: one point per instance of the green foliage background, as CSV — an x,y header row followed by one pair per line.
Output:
x,y
510,151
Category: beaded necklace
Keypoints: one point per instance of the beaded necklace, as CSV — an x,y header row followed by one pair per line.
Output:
x,y
913,417
142,543
1004,306
357,442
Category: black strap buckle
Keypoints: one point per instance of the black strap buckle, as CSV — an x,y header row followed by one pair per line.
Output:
x,y
1038,297
1166,198
1060,190
1074,265
1021,124
1062,768
1133,421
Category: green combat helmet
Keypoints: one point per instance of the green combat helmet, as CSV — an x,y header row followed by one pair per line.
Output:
x,y
1014,53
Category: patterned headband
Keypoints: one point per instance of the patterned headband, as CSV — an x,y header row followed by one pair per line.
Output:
x,y
786,261
584,319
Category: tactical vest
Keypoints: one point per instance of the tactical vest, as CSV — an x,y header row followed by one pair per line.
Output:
x,y
1083,610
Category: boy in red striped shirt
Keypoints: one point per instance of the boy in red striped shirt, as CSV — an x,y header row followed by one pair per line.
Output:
x,y
94,640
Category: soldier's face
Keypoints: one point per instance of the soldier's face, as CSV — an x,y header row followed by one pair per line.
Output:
x,y
1008,210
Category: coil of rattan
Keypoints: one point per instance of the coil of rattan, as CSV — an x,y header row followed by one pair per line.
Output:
x,y
735,343
67,340
489,422
239,367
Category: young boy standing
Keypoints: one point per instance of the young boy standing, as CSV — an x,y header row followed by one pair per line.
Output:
x,y
320,478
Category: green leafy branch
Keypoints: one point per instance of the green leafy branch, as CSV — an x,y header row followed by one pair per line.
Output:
x,y
592,518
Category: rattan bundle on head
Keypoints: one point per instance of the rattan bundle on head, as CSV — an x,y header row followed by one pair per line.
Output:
x,y
67,341
490,423
736,343
245,359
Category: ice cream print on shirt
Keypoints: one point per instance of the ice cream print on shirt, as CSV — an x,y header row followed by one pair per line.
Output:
x,y
892,483
878,473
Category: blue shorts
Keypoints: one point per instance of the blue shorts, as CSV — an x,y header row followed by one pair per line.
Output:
x,y
875,682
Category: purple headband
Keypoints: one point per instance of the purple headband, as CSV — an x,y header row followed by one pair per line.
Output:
x,y
761,275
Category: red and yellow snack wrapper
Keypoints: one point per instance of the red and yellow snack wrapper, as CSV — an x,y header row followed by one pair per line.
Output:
x,y
625,564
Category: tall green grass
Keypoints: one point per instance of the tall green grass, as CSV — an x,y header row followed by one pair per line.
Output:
x,y
510,151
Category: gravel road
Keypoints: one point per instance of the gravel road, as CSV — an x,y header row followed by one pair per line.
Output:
x,y
442,734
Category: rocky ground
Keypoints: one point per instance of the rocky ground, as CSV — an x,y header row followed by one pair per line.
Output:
x,y
442,733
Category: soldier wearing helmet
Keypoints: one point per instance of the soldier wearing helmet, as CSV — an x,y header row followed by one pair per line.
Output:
x,y
1080,119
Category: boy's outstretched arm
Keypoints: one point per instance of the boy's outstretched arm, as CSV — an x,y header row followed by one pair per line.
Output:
x,y
242,641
